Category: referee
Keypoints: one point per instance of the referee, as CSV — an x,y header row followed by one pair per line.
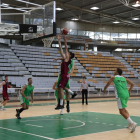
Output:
x,y
84,88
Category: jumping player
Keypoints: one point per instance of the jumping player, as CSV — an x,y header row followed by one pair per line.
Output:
x,y
122,95
56,95
67,87
66,62
5,85
24,97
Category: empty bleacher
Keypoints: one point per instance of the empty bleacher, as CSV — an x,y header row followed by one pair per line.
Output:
x,y
40,61
21,62
10,64
103,64
133,59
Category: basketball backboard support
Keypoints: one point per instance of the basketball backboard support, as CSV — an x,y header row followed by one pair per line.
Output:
x,y
45,19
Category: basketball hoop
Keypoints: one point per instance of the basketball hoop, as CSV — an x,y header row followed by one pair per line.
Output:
x,y
48,41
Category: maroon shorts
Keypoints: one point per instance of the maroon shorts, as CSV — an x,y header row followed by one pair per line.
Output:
x,y
63,81
5,96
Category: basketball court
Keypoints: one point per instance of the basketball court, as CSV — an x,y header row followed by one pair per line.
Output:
x,y
98,120
96,31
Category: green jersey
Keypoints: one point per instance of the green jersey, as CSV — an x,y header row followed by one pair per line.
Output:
x,y
120,85
70,66
28,90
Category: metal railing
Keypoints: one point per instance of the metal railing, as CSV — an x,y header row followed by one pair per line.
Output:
x,y
93,91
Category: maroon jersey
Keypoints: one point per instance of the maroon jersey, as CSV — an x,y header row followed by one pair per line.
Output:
x,y
64,68
5,93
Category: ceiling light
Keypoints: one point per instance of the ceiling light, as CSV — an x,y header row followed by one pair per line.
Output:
x,y
116,22
94,8
137,4
4,4
59,9
135,18
29,2
74,19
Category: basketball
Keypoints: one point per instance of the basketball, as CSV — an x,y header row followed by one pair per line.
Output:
x,y
64,31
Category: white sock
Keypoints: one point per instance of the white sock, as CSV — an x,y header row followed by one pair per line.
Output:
x,y
61,101
71,92
61,110
2,107
129,120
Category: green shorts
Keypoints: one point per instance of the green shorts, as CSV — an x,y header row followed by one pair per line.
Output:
x,y
67,85
56,95
122,102
23,100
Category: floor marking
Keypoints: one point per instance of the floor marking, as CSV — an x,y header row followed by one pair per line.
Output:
x,y
96,122
96,118
118,125
103,123
76,126
34,125
90,121
91,133
111,124
59,119
28,133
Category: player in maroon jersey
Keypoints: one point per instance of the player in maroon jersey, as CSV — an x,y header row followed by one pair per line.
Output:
x,y
5,85
64,71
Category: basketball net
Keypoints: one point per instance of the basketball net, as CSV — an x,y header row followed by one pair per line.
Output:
x,y
48,41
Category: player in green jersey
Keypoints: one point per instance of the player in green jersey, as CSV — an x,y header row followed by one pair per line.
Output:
x,y
24,97
56,95
122,95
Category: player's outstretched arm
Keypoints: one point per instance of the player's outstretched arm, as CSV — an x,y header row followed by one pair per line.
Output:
x,y
108,84
131,84
66,49
22,91
3,83
58,59
60,47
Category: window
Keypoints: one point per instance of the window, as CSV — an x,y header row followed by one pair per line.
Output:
x,y
90,34
98,35
82,33
72,32
122,35
114,35
138,36
132,35
106,36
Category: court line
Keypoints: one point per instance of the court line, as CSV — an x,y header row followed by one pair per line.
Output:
x,y
59,119
34,125
91,134
28,133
